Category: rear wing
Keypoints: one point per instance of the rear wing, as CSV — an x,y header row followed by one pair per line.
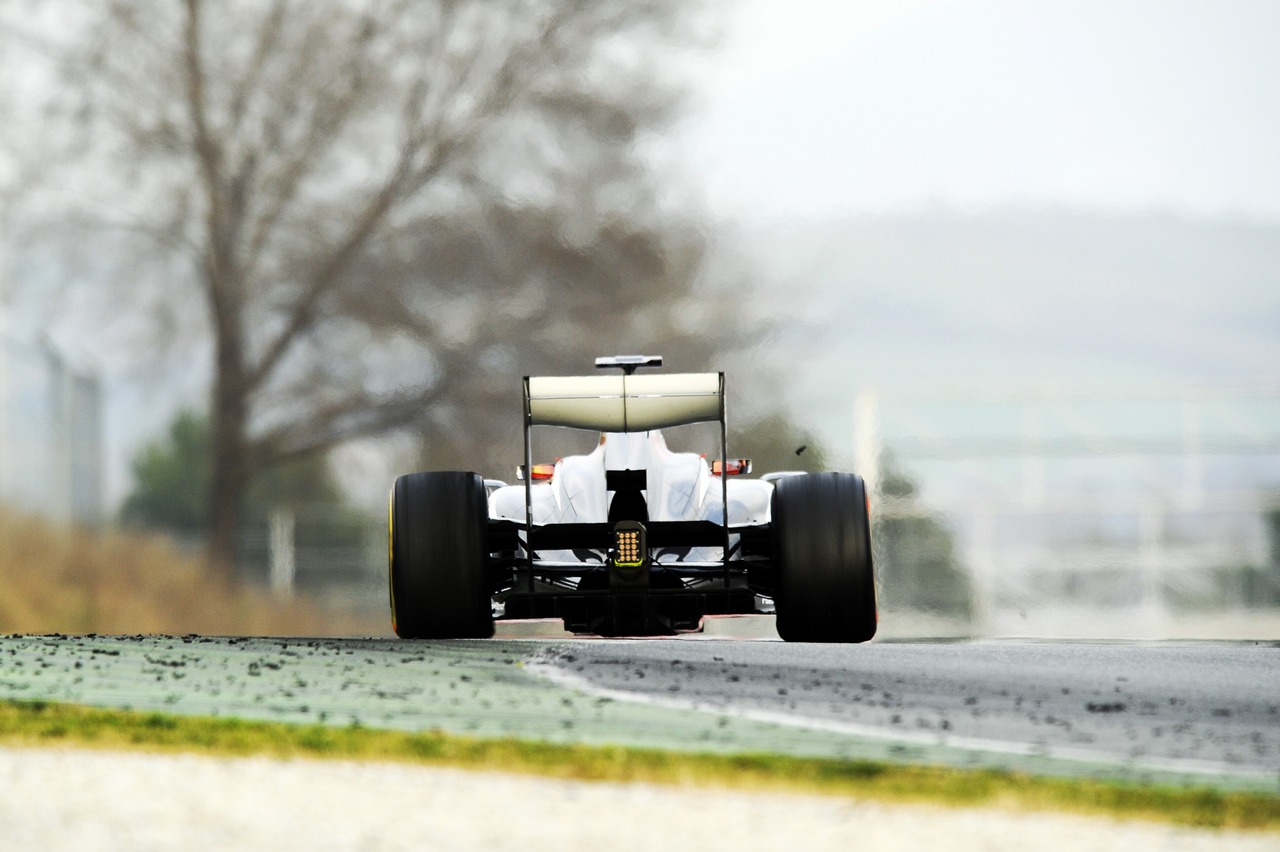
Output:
x,y
626,403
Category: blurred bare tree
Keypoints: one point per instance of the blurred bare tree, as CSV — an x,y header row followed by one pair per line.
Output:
x,y
377,213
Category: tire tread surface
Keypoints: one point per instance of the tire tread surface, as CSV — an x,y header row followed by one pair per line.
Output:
x,y
822,549
439,551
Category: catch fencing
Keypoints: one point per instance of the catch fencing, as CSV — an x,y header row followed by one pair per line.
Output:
x,y
331,553
1135,512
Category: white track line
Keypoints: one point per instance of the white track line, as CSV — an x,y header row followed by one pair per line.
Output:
x,y
569,680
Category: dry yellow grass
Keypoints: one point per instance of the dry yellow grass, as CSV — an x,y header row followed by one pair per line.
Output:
x,y
72,580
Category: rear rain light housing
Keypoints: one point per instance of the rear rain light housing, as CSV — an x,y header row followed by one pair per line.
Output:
x,y
731,467
630,550
538,472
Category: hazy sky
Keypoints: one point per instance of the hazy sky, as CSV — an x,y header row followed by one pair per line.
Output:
x,y
813,108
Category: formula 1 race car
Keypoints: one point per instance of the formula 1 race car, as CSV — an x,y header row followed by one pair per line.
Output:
x,y
631,538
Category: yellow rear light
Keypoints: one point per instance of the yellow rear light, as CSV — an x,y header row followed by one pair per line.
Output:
x,y
629,549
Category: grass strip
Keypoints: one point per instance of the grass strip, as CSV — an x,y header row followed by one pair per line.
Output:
x,y
41,723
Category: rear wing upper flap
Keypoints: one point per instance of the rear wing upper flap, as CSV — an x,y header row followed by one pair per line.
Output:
x,y
626,403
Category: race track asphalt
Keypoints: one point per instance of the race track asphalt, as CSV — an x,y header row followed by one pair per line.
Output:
x,y
1210,709
1177,713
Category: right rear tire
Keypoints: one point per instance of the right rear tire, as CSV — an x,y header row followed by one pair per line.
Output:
x,y
438,550
825,588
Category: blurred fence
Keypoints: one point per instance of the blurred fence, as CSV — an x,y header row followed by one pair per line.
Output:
x,y
335,554
1139,513
50,433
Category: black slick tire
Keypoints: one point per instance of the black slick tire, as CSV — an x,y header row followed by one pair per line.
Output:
x,y
438,550
825,587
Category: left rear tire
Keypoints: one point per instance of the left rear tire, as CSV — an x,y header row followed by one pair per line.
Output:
x,y
438,552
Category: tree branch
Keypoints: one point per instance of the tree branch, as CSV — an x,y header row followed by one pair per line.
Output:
x,y
323,131
304,312
208,160
354,417
264,50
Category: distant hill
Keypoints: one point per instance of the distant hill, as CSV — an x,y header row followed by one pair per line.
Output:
x,y
1016,299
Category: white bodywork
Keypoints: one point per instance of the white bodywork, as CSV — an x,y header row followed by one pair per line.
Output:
x,y
680,488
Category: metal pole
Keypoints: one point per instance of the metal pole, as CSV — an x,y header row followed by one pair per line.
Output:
x,y
528,482
283,553
724,480
866,437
